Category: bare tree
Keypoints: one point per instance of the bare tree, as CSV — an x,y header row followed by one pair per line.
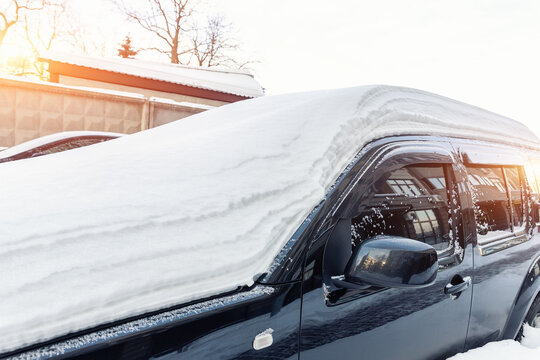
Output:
x,y
167,19
41,29
213,46
183,40
85,40
11,14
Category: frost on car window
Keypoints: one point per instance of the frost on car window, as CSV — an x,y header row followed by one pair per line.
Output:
x,y
410,202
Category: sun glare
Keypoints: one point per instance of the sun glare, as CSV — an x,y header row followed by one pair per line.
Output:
x,y
15,58
533,174
12,49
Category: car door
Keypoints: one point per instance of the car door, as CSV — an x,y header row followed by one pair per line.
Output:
x,y
410,190
505,246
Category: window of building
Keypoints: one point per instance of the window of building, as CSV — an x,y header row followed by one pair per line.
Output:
x,y
438,183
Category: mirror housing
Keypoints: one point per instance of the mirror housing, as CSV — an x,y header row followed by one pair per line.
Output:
x,y
392,261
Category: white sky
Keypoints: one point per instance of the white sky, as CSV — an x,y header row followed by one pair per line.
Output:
x,y
483,52
486,53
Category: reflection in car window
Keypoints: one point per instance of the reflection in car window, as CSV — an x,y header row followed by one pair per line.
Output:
x,y
490,202
411,202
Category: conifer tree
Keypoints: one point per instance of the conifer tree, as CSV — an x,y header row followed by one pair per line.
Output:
x,y
126,50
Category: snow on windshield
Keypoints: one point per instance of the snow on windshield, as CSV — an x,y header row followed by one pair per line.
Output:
x,y
192,208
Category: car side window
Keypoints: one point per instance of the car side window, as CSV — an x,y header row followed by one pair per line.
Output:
x,y
498,199
490,202
410,202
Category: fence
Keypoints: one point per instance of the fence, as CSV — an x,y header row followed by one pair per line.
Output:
x,y
30,109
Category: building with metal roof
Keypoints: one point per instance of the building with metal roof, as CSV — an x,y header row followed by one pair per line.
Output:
x,y
181,83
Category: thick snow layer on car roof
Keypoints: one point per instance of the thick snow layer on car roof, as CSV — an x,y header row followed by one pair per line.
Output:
x,y
223,80
192,208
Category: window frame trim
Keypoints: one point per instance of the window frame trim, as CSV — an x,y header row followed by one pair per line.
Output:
x,y
402,154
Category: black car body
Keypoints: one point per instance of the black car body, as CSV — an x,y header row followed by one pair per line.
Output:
x,y
469,201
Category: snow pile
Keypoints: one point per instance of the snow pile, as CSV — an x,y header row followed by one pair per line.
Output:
x,y
192,208
529,349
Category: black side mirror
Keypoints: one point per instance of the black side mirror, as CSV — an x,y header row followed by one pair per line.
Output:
x,y
392,261
382,261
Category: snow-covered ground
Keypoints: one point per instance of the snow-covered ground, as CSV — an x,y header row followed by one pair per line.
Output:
x,y
528,349
192,208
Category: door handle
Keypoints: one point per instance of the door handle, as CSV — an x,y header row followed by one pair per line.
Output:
x,y
457,285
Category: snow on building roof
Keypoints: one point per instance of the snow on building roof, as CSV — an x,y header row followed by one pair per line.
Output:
x,y
192,208
234,82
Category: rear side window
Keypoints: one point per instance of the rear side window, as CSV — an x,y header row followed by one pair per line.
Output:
x,y
411,202
498,199
491,203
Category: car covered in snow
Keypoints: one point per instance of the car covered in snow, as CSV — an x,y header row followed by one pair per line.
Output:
x,y
54,143
374,222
